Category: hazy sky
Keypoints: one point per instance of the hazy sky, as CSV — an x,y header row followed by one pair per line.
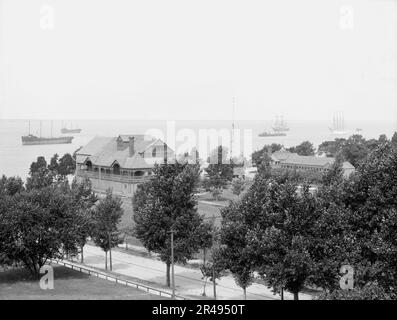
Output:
x,y
183,59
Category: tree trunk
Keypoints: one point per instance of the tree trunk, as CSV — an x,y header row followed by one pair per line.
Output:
x,y
245,293
296,295
282,293
168,284
106,260
110,258
205,284
82,254
214,282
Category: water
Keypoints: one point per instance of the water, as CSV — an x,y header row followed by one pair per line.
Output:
x,y
15,159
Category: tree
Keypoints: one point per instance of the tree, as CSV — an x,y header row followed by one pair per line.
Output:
x,y
238,185
371,197
304,149
205,236
40,177
370,291
106,216
167,203
53,165
84,200
355,149
67,165
234,251
219,171
11,185
34,226
263,155
41,163
394,140
213,269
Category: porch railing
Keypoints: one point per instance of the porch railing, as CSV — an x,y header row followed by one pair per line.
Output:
x,y
112,177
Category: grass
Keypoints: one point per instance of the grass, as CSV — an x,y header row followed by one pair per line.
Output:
x,y
18,284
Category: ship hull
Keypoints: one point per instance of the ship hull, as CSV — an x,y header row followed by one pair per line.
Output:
x,y
64,130
272,135
40,141
284,129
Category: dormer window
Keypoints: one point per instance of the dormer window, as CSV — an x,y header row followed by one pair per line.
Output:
x,y
154,152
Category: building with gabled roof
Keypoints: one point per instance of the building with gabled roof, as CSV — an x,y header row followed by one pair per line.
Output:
x,y
289,160
120,163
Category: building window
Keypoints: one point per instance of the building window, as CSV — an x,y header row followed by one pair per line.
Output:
x,y
116,168
154,152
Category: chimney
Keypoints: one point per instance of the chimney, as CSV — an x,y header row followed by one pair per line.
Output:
x,y
131,146
165,154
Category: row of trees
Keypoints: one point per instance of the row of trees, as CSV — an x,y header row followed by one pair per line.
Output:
x,y
48,218
293,238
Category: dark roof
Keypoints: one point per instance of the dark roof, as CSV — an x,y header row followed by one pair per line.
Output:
x,y
103,151
286,157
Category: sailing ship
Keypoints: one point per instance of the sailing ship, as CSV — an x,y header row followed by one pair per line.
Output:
x,y
31,139
338,125
69,130
280,125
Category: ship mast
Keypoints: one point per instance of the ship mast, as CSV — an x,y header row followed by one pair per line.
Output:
x,y
232,135
40,128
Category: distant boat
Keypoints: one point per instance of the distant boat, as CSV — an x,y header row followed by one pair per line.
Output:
x,y
359,130
338,124
69,130
66,130
31,139
34,140
272,134
280,125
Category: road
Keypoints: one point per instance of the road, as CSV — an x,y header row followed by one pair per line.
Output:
x,y
188,281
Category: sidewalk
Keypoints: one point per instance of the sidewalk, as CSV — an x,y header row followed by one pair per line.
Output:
x,y
188,281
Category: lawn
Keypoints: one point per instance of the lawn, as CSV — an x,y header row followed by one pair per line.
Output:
x,y
18,284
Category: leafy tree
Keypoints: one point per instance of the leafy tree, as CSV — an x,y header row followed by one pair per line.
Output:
x,y
370,291
238,185
355,149
40,178
332,148
41,163
371,196
263,155
167,203
53,165
205,235
11,185
34,225
235,253
304,149
219,173
84,200
106,216
394,140
213,269
67,165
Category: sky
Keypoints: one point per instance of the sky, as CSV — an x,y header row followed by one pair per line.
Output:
x,y
184,59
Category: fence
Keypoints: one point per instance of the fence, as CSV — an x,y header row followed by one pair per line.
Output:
x,y
108,277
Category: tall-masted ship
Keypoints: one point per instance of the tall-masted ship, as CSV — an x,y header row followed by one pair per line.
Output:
x,y
280,125
338,124
31,139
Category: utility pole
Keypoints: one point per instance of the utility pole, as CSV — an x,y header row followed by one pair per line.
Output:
x,y
213,264
172,265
